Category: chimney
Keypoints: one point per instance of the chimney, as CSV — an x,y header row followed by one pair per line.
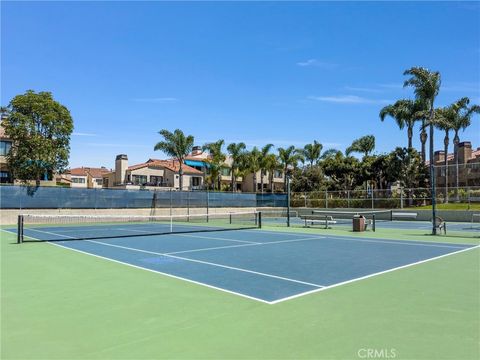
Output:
x,y
438,156
464,151
197,150
121,165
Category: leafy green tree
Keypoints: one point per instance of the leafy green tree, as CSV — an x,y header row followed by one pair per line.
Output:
x,y
406,165
311,179
344,172
405,114
312,152
176,145
216,161
253,163
237,152
40,129
264,162
288,157
364,145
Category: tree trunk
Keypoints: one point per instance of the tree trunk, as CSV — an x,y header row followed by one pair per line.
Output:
x,y
410,135
261,180
456,141
445,149
285,179
255,182
423,139
180,171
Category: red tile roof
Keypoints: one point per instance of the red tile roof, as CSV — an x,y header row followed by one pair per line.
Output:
x,y
93,172
172,165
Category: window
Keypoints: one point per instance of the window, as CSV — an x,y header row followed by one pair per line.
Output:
x,y
196,181
99,181
278,174
139,179
156,180
78,180
4,177
226,171
5,147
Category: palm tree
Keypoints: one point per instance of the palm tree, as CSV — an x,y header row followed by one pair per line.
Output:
x,y
217,161
426,86
271,164
288,157
264,153
176,145
364,145
312,152
405,113
443,121
458,117
253,163
236,151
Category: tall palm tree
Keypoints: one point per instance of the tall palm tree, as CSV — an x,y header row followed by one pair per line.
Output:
x,y
364,145
264,153
176,145
443,122
426,85
288,157
405,113
253,163
216,160
458,117
271,164
312,152
236,151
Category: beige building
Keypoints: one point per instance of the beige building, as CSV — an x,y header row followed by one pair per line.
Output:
x,y
5,146
152,174
468,168
85,177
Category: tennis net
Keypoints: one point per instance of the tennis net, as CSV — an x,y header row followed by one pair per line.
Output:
x,y
38,227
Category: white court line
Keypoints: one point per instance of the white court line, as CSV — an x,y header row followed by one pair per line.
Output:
x,y
215,238
242,245
207,263
163,273
371,275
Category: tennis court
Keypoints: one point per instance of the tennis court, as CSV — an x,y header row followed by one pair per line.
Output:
x,y
228,252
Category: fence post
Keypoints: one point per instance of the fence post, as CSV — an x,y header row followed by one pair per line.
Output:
x,y
401,197
207,203
171,202
348,199
326,199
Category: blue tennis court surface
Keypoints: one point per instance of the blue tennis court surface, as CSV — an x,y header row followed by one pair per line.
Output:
x,y
268,266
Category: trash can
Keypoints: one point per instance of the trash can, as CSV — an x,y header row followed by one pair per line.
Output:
x,y
358,223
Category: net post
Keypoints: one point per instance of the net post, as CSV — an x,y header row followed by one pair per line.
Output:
x,y
326,221
259,219
373,222
230,217
391,215
20,229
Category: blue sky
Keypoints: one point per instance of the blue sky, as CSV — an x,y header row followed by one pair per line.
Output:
x,y
258,72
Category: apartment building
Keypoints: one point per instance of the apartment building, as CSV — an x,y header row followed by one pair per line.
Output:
x,y
200,161
5,146
468,169
152,174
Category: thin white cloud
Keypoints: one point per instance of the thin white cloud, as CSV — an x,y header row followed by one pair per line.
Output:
x,y
156,100
83,134
392,86
347,99
363,89
120,145
317,63
461,87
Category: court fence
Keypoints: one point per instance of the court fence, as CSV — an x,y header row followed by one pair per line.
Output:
x,y
31,197
396,198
